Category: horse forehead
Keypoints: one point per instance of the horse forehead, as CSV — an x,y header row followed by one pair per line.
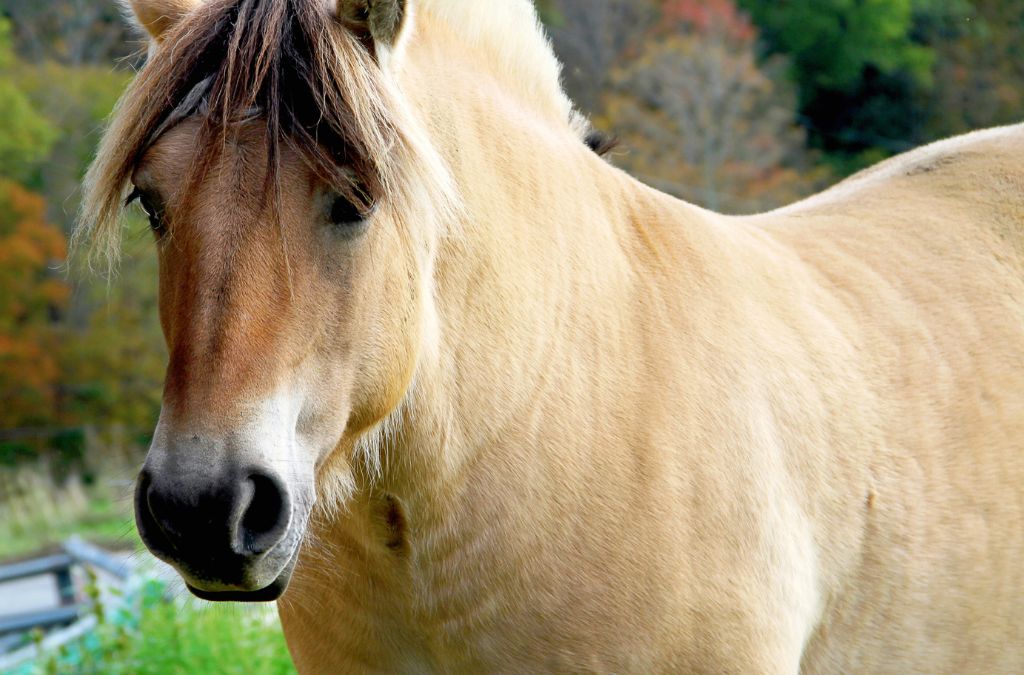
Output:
x,y
230,206
240,157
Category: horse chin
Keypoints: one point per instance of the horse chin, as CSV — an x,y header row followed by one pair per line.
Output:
x,y
268,593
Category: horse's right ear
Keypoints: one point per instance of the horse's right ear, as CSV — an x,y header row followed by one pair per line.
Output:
x,y
158,16
378,23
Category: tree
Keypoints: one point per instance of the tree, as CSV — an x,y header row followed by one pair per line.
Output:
x,y
591,37
71,32
702,119
833,42
857,66
75,110
32,296
979,65
74,349
25,136
112,357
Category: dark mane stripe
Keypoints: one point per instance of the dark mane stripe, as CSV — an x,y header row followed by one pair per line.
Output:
x,y
314,83
600,142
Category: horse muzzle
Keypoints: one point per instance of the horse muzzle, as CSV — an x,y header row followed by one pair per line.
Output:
x,y
232,531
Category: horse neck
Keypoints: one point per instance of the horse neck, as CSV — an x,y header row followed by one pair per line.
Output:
x,y
536,288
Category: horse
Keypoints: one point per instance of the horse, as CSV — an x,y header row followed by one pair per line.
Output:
x,y
464,397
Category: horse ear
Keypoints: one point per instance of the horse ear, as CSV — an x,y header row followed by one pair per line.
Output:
x,y
378,23
158,16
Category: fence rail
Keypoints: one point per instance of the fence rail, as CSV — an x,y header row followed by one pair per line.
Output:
x,y
47,618
73,615
33,568
85,553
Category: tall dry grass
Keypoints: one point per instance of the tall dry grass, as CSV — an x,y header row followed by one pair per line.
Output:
x,y
44,501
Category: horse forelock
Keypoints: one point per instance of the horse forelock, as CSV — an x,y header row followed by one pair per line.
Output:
x,y
292,63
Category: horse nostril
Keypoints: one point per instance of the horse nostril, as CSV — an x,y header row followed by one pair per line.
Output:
x,y
265,517
147,516
143,509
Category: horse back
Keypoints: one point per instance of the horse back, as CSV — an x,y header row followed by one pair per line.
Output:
x,y
971,181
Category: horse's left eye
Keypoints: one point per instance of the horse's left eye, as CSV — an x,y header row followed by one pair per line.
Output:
x,y
345,214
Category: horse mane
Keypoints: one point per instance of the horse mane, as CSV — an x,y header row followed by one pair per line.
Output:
x,y
600,142
509,35
292,63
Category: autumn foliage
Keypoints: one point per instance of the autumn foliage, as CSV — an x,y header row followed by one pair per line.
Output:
x,y
34,294
708,16
701,116
76,350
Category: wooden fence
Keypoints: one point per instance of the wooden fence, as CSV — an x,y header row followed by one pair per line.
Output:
x,y
74,611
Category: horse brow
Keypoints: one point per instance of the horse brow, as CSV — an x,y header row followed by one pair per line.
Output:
x,y
196,104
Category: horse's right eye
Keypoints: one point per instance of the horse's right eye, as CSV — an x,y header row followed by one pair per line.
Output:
x,y
345,214
347,219
149,206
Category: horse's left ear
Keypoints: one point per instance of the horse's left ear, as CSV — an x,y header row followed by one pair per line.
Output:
x,y
378,23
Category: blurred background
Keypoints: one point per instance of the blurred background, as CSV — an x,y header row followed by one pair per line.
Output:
x,y
736,105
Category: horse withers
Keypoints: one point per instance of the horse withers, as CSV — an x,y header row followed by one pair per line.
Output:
x,y
466,398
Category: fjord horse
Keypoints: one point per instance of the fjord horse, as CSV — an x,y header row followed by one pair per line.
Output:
x,y
467,398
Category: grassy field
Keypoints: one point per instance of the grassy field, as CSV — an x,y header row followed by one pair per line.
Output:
x,y
38,511
41,516
104,523
154,636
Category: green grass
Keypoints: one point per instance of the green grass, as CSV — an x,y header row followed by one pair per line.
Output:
x,y
153,636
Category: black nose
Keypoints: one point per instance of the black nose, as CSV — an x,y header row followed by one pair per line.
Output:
x,y
214,526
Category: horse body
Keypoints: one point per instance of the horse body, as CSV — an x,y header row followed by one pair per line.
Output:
x,y
588,427
685,442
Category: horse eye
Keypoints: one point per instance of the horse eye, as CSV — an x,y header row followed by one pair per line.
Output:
x,y
345,213
149,207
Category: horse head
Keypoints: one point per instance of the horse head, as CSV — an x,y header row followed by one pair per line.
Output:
x,y
295,213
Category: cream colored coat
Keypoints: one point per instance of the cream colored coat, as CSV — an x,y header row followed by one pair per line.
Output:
x,y
657,439
643,437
